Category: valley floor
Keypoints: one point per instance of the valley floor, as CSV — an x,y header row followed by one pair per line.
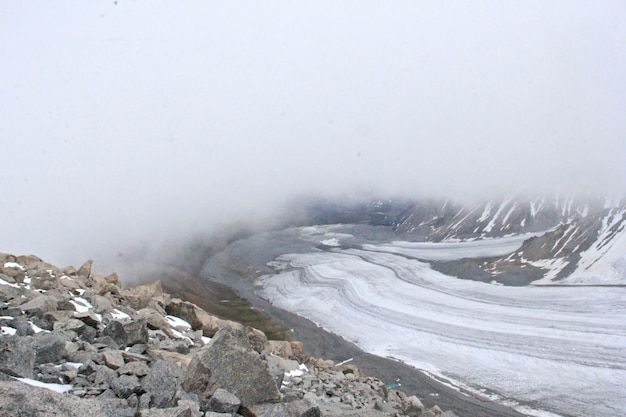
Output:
x,y
551,350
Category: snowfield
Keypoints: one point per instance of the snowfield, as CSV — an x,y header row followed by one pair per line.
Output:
x,y
543,350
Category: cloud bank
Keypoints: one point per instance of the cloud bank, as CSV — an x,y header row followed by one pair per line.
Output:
x,y
122,121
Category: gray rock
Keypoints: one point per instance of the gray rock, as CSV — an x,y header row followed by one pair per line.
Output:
x,y
221,401
101,304
22,326
18,399
136,332
115,330
104,376
181,411
161,384
42,304
49,347
138,368
125,386
234,366
17,357
85,270
89,318
113,358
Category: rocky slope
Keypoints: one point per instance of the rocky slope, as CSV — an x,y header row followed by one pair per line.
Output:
x,y
567,236
74,343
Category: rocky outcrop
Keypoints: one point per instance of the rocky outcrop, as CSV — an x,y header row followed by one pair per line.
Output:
x,y
75,343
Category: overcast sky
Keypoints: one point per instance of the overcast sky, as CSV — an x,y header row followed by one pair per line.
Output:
x,y
125,120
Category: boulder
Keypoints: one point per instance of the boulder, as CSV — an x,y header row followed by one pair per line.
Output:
x,y
230,363
125,386
113,358
136,332
101,304
48,347
45,303
222,401
141,296
138,368
257,339
180,411
17,357
115,330
298,408
85,270
161,383
154,319
19,399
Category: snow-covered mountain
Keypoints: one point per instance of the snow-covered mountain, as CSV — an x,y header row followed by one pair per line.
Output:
x,y
570,240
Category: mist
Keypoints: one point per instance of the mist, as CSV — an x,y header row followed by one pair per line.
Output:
x,y
133,123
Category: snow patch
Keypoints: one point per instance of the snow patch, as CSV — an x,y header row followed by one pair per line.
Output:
x,y
13,265
60,388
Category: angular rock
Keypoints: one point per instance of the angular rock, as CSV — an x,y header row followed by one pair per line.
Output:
x,y
18,399
298,408
257,339
222,401
85,270
161,383
141,296
49,348
125,386
104,376
136,332
234,366
42,304
154,319
116,331
414,407
101,304
17,357
280,348
113,358
138,368
89,318
181,411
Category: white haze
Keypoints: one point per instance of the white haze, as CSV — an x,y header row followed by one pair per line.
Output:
x,y
135,121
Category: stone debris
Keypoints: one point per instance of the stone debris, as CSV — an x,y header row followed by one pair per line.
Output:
x,y
74,343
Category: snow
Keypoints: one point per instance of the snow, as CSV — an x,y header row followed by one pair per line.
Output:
x,y
528,345
206,339
81,304
119,315
492,222
485,214
177,322
448,251
3,282
5,330
179,335
60,388
13,265
330,242
37,329
74,364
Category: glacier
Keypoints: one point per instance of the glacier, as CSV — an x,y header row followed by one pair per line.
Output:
x,y
543,350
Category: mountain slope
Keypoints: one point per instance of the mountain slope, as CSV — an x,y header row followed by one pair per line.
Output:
x,y
581,238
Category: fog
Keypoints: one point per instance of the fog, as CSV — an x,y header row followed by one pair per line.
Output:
x,y
127,122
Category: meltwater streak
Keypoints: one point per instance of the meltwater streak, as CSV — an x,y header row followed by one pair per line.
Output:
x,y
558,349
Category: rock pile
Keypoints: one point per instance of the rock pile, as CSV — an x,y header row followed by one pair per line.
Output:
x,y
74,343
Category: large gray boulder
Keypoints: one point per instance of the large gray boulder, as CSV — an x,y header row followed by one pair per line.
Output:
x,y
49,347
161,384
18,399
230,362
17,357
